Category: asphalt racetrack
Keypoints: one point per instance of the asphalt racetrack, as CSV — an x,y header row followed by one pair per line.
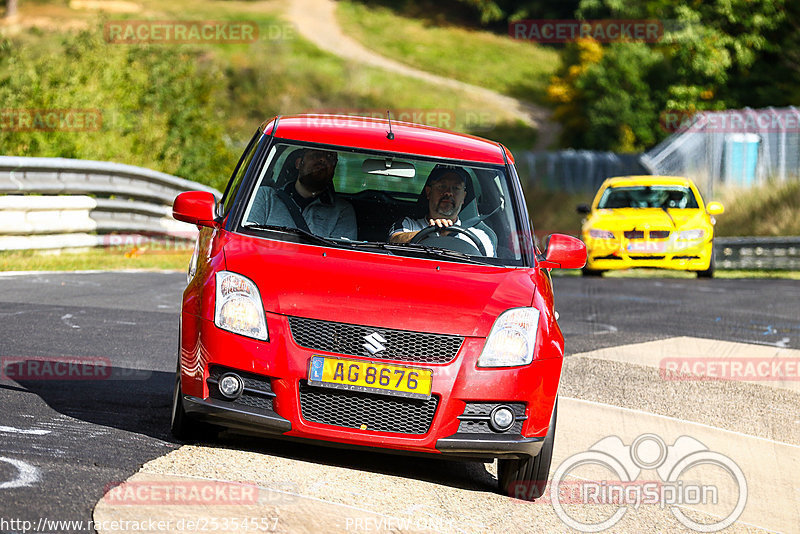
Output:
x,y
65,443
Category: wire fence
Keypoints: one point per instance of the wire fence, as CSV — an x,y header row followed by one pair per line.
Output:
x,y
739,148
574,171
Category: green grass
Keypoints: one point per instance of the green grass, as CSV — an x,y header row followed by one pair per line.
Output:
x,y
95,259
189,110
770,210
515,68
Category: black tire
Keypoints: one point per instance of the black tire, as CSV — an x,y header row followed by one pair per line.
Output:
x,y
591,272
708,273
531,472
182,426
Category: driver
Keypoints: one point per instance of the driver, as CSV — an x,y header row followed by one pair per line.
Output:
x,y
445,190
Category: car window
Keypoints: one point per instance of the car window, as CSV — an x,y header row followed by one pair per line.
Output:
x,y
238,175
381,192
656,196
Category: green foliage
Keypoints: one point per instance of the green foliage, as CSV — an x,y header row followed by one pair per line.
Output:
x,y
156,104
713,55
516,68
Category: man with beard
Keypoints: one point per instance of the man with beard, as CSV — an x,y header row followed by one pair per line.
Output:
x,y
445,190
309,202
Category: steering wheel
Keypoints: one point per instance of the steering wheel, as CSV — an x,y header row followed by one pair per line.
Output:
x,y
426,232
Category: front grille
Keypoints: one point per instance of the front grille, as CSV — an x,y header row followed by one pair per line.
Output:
x,y
685,257
634,234
355,409
257,389
400,345
475,419
609,257
646,257
659,234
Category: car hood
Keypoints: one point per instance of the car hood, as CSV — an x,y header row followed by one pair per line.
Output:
x,y
642,218
386,291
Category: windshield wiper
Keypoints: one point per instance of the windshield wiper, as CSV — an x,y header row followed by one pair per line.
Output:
x,y
439,252
297,231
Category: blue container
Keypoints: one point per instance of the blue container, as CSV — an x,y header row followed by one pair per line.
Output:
x,y
741,158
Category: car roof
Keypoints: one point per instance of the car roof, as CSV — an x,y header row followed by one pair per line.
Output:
x,y
371,133
648,180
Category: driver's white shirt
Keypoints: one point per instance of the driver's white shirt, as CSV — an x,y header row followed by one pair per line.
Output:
x,y
415,225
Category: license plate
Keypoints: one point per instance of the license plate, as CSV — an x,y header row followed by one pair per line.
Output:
x,y
647,246
358,375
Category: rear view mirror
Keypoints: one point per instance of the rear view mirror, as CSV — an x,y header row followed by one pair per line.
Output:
x,y
564,252
194,207
583,209
714,208
389,167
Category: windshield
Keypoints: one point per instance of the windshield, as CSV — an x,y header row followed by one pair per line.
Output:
x,y
384,202
650,196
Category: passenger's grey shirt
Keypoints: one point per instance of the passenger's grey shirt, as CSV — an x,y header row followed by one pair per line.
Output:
x,y
326,216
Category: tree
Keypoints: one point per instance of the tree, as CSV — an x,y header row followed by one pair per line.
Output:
x,y
11,8
713,55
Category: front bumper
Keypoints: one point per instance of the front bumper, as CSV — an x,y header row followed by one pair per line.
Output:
x,y
604,256
461,445
282,365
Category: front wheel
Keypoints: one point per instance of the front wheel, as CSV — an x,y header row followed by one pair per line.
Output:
x,y
181,425
527,478
591,272
708,273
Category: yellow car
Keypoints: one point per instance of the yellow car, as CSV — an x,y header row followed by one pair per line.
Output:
x,y
649,221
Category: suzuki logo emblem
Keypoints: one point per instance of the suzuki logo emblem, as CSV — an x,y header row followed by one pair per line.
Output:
x,y
374,343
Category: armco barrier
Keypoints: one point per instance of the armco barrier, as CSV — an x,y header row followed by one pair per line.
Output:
x,y
768,253
48,203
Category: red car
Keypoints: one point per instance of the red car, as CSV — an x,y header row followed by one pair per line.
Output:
x,y
375,284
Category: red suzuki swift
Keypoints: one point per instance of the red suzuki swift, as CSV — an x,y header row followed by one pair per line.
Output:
x,y
376,284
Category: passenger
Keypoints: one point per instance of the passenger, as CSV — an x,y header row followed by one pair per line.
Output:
x,y
310,202
445,191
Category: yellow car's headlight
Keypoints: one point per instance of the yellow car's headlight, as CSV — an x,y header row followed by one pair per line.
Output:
x,y
600,234
691,235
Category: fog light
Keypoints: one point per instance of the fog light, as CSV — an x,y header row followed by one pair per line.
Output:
x,y
501,419
230,385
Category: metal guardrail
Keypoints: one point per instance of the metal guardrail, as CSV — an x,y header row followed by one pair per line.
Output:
x,y
768,253
48,203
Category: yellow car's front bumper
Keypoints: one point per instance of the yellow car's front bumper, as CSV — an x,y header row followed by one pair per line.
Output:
x,y
608,254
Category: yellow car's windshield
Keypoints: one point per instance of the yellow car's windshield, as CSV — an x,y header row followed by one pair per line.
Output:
x,y
650,196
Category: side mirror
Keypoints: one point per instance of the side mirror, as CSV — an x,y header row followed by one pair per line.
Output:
x,y
194,207
714,208
564,252
583,209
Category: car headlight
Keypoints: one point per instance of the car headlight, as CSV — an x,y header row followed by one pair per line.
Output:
x,y
691,234
238,306
601,234
512,339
